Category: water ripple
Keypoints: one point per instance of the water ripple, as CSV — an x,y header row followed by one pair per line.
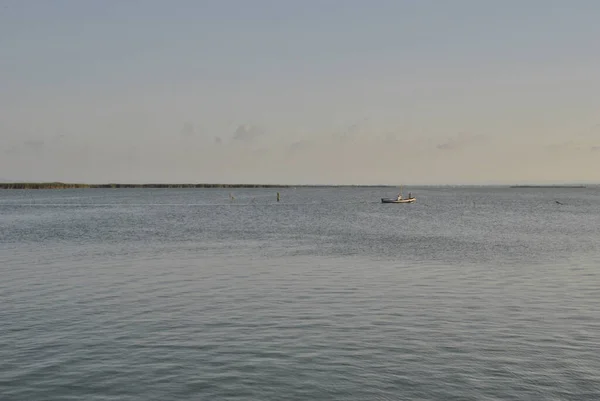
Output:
x,y
153,295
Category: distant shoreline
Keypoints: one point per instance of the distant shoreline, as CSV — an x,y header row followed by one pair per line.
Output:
x,y
548,186
62,185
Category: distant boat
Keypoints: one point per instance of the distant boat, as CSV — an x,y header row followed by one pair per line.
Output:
x,y
399,199
395,200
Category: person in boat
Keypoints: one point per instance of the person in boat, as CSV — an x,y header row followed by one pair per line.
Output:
x,y
409,195
399,196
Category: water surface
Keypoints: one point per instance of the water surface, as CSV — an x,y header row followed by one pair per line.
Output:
x,y
468,294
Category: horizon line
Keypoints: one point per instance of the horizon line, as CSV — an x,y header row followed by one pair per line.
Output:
x,y
12,184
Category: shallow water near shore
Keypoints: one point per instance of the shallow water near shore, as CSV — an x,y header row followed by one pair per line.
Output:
x,y
154,294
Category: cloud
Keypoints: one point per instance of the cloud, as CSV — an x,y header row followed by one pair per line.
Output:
x,y
260,152
591,132
247,133
300,146
351,132
188,130
569,145
218,140
390,138
461,141
595,148
36,145
558,146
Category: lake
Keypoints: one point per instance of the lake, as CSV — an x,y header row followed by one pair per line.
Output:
x,y
471,293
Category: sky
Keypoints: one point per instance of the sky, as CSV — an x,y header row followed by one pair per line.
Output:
x,y
300,92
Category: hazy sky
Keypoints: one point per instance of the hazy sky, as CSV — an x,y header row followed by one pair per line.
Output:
x,y
280,91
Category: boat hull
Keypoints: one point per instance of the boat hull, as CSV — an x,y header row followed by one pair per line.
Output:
x,y
392,200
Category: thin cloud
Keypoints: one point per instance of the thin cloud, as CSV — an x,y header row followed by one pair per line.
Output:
x,y
13,149
247,133
188,130
461,141
391,137
592,132
36,145
568,145
351,132
558,146
300,146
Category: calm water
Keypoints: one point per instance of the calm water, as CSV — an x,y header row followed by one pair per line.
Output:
x,y
469,294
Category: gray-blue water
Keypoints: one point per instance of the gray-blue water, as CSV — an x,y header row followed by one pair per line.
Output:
x,y
468,294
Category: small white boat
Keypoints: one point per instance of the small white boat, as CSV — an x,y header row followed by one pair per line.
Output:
x,y
396,200
399,199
